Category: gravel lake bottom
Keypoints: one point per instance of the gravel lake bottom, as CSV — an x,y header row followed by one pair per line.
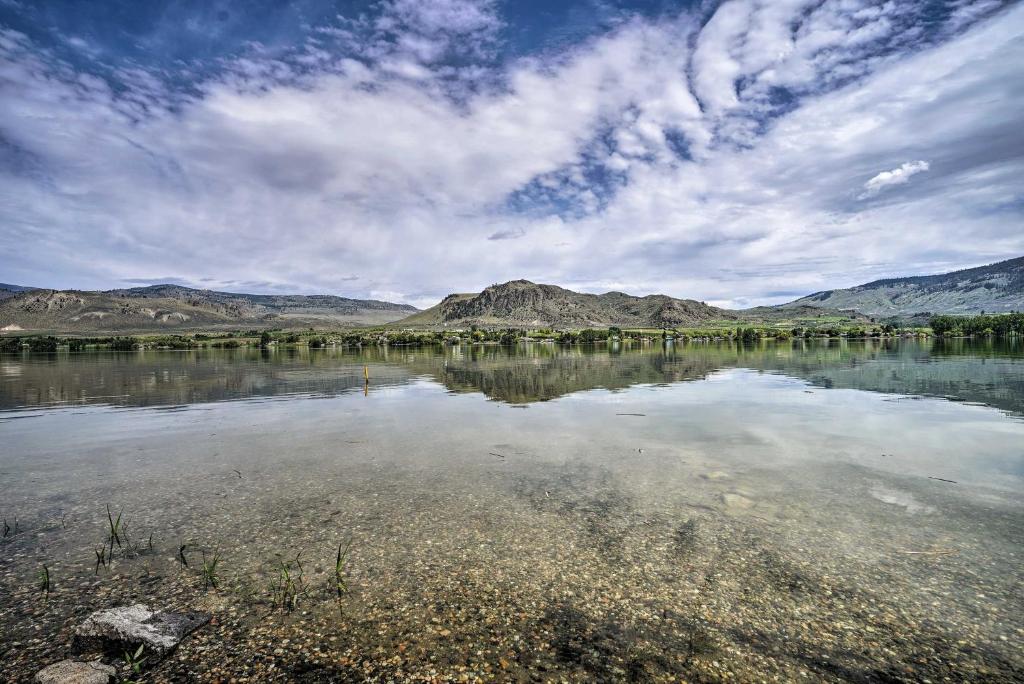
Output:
x,y
849,511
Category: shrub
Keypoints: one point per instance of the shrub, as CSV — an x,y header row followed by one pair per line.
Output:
x,y
42,344
123,343
10,344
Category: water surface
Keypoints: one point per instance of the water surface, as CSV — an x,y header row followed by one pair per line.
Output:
x,y
830,510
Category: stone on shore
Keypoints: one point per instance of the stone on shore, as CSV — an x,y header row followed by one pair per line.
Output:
x,y
76,672
116,630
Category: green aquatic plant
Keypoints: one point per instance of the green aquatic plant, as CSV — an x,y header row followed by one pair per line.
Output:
x,y
134,661
44,581
340,570
288,584
182,559
101,559
114,535
130,548
211,576
119,532
8,530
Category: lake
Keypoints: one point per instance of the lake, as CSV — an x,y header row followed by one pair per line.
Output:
x,y
802,511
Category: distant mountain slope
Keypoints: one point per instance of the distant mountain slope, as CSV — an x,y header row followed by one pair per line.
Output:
x,y
8,290
522,303
994,288
172,307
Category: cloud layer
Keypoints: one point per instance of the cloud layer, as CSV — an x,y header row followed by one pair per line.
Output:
x,y
736,155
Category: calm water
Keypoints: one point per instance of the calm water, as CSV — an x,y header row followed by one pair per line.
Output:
x,y
835,510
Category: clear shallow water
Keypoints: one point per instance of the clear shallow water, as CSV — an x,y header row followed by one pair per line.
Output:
x,y
847,510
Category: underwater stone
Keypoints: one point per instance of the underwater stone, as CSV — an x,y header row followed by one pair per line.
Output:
x,y
736,501
75,672
115,630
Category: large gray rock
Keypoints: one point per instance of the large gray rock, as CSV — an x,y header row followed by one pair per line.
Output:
x,y
116,630
75,672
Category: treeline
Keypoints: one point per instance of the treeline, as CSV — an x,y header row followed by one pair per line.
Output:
x,y
504,336
742,333
253,338
50,343
36,344
998,325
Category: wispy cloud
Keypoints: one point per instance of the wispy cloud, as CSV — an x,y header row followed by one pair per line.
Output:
x,y
508,233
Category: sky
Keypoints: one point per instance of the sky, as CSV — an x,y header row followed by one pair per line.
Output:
x,y
742,153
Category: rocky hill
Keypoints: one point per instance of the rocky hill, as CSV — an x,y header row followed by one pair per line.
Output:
x,y
996,288
175,308
520,303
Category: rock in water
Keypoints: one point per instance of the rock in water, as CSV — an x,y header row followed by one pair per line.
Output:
x,y
736,501
75,672
116,630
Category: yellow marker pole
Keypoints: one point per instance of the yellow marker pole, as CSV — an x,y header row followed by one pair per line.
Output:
x,y
366,373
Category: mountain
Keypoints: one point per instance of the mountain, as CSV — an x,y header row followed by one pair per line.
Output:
x,y
995,288
8,290
176,308
520,303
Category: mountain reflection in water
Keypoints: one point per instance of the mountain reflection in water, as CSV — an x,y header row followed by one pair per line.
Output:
x,y
989,372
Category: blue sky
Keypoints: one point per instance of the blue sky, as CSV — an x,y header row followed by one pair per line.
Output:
x,y
742,153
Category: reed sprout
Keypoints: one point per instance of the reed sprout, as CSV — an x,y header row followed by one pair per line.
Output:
x,y
131,548
211,577
289,584
182,558
134,661
114,535
119,533
44,581
340,570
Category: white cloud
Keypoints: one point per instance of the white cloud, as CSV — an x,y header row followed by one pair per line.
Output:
x,y
898,176
655,147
